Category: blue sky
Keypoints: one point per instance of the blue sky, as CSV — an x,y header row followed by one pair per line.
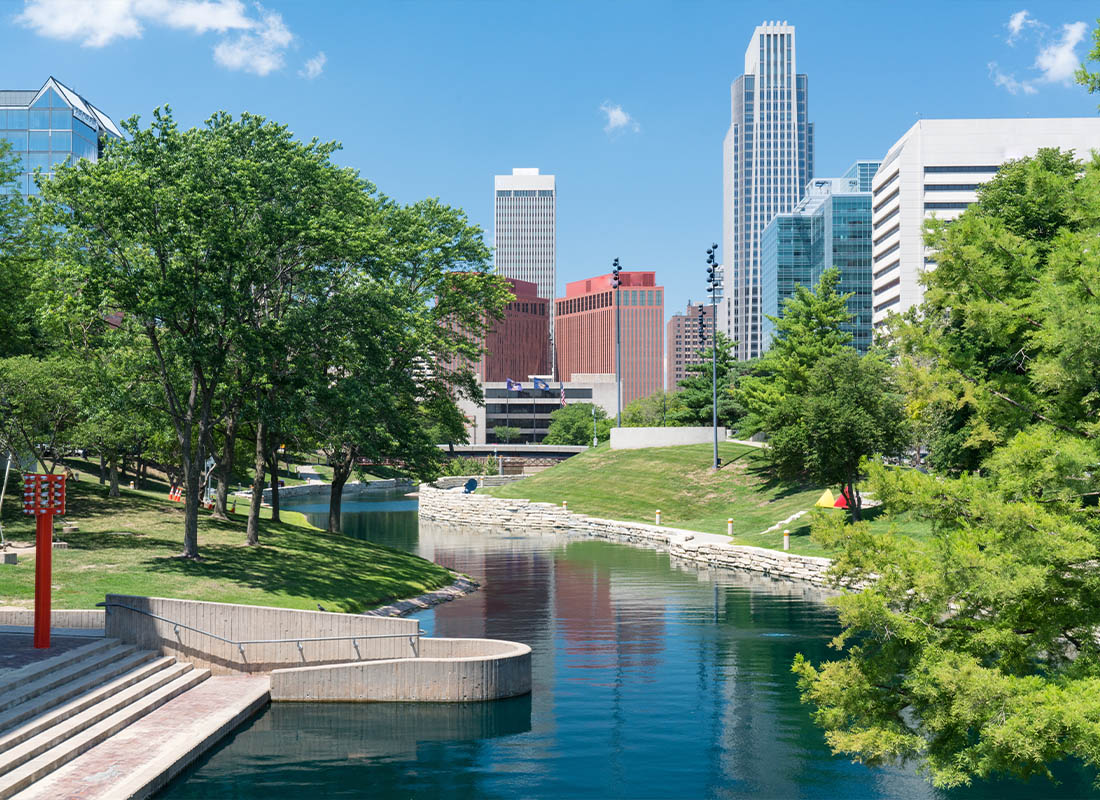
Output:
x,y
434,98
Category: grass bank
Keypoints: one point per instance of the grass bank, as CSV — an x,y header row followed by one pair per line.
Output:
x,y
632,484
128,545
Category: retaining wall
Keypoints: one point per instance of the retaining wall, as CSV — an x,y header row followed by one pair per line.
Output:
x,y
242,623
452,481
447,671
352,487
637,438
482,511
91,619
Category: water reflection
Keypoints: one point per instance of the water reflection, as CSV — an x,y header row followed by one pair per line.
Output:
x,y
652,677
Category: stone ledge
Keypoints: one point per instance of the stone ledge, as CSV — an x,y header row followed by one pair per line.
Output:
x,y
522,515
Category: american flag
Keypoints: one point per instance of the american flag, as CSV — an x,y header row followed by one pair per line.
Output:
x,y
562,384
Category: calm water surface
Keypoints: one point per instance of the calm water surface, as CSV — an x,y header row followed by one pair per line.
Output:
x,y
652,678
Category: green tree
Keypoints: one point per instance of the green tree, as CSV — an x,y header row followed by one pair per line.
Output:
x,y
657,410
191,234
40,409
974,653
572,424
807,331
1091,80
19,333
696,392
1007,336
852,409
506,433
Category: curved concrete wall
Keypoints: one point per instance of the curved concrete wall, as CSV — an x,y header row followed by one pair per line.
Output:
x,y
637,438
447,671
242,623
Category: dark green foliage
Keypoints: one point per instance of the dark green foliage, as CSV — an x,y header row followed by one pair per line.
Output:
x,y
572,424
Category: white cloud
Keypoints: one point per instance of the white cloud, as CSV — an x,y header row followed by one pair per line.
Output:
x,y
314,67
618,120
256,43
1058,61
1009,82
1018,22
1055,61
260,50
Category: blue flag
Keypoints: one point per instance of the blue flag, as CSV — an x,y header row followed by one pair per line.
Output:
x,y
513,386
541,384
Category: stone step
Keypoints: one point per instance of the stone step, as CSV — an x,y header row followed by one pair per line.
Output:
x,y
63,673
68,747
32,672
54,735
30,718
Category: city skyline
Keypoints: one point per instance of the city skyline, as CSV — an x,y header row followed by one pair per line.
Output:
x,y
627,115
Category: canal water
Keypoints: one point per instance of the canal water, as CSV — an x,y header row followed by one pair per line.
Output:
x,y
652,678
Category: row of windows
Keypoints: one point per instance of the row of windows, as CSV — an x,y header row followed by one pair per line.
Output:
x,y
951,187
884,203
879,223
946,206
960,169
525,192
891,249
36,119
882,188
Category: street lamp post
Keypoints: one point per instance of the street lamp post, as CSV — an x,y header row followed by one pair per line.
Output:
x,y
615,283
713,282
595,442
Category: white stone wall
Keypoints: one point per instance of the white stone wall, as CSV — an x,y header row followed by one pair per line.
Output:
x,y
477,511
637,438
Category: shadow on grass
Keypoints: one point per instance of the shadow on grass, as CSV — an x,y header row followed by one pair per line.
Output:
x,y
348,574
777,489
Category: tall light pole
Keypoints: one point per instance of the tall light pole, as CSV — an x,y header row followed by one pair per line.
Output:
x,y
713,282
615,283
595,441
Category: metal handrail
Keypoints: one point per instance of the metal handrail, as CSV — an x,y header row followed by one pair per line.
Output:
x,y
414,638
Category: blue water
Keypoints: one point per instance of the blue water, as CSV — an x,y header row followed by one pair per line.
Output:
x,y
652,678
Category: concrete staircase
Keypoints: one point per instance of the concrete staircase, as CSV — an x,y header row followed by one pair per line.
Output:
x,y
54,710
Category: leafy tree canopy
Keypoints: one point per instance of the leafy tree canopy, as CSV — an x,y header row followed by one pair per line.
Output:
x,y
695,399
572,424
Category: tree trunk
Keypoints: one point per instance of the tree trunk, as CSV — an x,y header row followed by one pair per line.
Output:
x,y
225,467
257,485
192,475
275,487
102,469
341,471
854,502
140,472
114,476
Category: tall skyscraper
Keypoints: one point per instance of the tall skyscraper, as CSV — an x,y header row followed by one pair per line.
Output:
x,y
525,234
768,158
50,126
830,227
586,331
935,168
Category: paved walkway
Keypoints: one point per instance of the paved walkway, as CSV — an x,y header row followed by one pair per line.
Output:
x,y
17,646
143,757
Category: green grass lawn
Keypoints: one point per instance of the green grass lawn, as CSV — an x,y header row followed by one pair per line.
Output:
x,y
632,484
127,545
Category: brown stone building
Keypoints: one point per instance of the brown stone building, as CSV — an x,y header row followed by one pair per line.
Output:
x,y
682,341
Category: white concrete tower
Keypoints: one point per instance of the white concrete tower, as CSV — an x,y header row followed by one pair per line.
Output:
x,y
767,160
525,233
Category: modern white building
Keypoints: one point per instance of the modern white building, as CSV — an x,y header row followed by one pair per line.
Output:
x,y
767,160
525,233
935,169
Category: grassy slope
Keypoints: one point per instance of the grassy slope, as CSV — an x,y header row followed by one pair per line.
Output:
x,y
126,545
632,484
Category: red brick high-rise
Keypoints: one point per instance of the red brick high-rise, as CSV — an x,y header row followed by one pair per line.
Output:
x,y
684,346
518,345
585,331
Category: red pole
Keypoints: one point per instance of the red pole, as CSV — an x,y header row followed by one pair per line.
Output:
x,y
43,558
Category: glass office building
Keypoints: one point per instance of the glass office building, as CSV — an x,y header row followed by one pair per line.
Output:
x,y
830,227
767,160
50,126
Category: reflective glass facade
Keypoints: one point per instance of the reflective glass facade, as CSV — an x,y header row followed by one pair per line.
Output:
x,y
768,157
831,227
47,127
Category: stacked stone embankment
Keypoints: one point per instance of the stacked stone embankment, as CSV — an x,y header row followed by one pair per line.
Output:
x,y
451,506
